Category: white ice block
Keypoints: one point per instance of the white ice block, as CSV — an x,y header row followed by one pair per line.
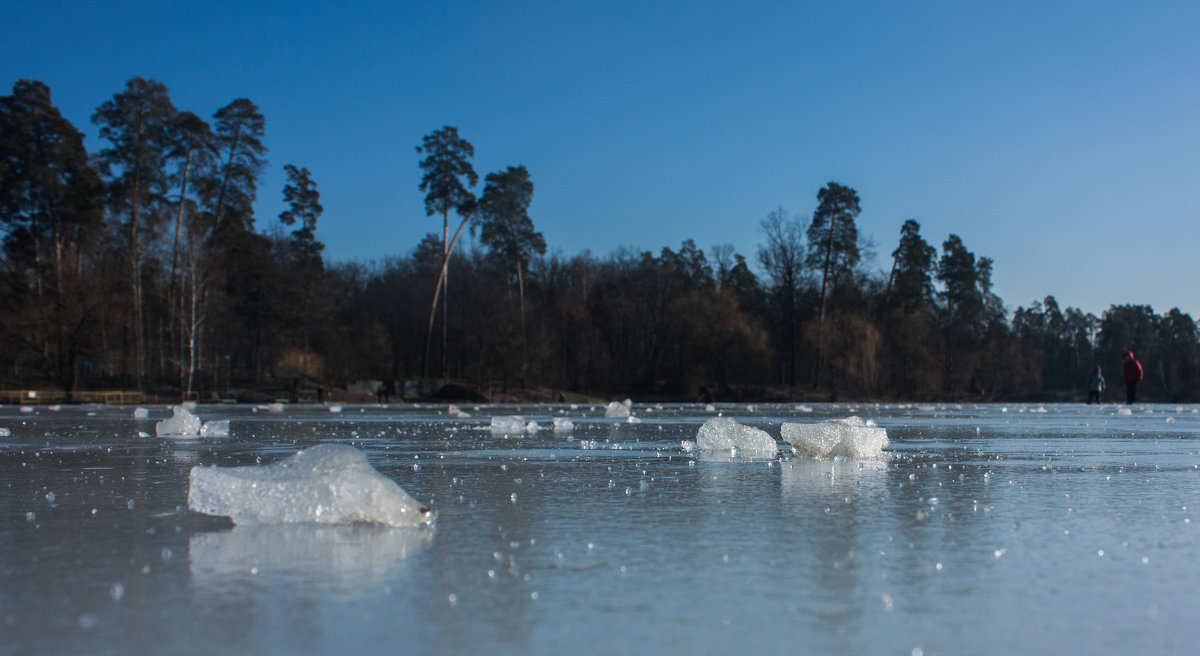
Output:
x,y
726,434
851,438
326,484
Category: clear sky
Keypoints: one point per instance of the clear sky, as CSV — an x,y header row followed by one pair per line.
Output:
x,y
1061,139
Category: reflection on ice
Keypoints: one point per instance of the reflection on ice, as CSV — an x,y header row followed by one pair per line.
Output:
x,y
802,478
327,484
350,557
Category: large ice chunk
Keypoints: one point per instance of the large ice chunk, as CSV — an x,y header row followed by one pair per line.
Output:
x,y
851,438
181,424
726,434
326,484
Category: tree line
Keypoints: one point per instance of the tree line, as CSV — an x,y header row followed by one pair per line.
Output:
x,y
142,266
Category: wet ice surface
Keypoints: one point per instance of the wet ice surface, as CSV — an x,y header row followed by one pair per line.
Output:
x,y
986,529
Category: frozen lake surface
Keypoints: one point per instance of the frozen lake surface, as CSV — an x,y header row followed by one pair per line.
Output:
x,y
986,529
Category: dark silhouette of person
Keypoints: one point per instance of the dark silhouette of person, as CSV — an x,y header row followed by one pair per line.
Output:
x,y
1095,386
1133,374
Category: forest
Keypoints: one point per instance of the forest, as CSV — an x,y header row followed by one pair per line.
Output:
x,y
141,266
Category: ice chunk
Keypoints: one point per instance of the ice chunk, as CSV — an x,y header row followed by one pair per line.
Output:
x,y
5,432
532,427
710,408
563,425
1125,411
454,411
851,437
617,410
335,408
326,484
725,434
141,413
215,428
511,424
181,424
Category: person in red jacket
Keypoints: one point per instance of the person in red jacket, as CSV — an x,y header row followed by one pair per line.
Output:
x,y
1133,374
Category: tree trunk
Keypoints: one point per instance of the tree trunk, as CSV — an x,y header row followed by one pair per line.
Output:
x,y
437,292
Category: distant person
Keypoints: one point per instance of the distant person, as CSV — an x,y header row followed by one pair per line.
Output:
x,y
1133,374
1095,386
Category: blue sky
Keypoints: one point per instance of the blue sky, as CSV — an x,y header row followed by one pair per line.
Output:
x,y
1061,139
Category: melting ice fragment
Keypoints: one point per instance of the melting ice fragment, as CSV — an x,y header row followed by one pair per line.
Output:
x,y
215,428
851,438
508,424
326,484
141,413
725,434
181,424
454,411
563,425
620,410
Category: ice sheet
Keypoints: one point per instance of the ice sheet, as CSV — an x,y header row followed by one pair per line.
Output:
x,y
326,484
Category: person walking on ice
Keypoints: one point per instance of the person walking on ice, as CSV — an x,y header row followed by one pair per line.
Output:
x,y
1133,375
1095,386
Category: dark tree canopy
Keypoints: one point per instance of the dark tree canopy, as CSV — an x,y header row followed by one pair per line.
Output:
x,y
505,226
241,156
833,237
446,166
